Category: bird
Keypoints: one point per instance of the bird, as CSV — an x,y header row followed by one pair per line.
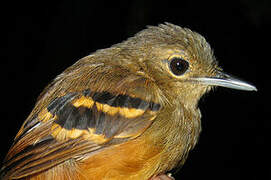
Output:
x,y
129,111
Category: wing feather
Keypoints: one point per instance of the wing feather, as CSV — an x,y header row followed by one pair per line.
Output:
x,y
74,125
71,121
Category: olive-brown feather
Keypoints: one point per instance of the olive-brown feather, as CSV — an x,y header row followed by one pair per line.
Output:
x,y
126,112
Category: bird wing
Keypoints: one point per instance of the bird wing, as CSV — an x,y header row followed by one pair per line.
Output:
x,y
75,125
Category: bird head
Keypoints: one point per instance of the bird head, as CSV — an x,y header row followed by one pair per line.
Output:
x,y
179,61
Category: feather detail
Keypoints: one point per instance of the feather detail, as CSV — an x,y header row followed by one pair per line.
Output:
x,y
76,125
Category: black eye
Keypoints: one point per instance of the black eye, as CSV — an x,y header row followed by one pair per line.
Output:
x,y
178,66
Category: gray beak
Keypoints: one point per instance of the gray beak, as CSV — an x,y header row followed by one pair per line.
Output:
x,y
225,80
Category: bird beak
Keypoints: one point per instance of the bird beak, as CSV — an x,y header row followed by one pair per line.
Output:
x,y
225,80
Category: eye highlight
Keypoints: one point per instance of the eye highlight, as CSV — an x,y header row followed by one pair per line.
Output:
x,y
178,66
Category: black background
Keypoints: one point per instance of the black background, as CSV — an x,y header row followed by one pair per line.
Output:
x,y
39,40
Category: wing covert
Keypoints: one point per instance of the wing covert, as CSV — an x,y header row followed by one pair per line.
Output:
x,y
76,124
100,113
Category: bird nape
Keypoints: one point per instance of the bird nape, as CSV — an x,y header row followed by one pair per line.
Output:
x,y
126,112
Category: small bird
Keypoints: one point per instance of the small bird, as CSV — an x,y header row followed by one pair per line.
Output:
x,y
128,112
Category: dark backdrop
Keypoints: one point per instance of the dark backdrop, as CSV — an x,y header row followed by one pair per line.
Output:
x,y
39,40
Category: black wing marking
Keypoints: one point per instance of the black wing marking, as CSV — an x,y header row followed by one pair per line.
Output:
x,y
76,124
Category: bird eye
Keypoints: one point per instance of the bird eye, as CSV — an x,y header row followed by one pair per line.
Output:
x,y
178,66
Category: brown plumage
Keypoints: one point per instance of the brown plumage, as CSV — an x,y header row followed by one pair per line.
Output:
x,y
125,112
